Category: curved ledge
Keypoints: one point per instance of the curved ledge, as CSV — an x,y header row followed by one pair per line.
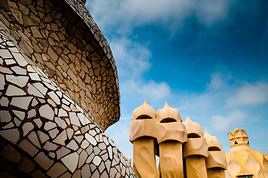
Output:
x,y
40,120
63,40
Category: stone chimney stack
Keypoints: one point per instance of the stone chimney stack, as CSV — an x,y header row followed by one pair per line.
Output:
x,y
143,136
195,150
242,160
216,161
171,136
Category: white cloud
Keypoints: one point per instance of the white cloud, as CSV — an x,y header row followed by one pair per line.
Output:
x,y
209,101
218,107
218,81
209,108
126,14
210,11
249,94
150,90
132,58
229,121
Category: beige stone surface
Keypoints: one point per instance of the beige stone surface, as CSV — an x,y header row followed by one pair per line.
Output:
x,y
195,167
173,131
216,160
195,151
242,160
183,147
171,162
168,114
144,162
142,128
212,141
195,147
238,137
144,111
216,173
143,122
171,136
143,136
193,128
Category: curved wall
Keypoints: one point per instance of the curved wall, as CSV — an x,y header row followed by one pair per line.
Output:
x,y
63,40
42,122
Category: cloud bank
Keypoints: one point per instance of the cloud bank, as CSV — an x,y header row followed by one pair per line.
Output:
x,y
250,94
225,103
126,14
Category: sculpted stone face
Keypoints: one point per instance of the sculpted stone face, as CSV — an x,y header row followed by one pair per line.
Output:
x,y
216,161
242,160
143,136
195,150
238,137
171,136
185,152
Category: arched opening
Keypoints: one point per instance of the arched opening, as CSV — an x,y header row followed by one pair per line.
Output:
x,y
214,148
193,135
167,120
245,176
144,117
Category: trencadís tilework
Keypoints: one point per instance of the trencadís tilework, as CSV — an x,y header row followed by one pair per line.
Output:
x,y
58,93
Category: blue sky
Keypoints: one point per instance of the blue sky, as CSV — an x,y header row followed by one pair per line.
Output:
x,y
208,58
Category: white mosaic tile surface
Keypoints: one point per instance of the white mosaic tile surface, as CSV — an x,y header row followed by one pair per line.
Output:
x,y
62,39
46,124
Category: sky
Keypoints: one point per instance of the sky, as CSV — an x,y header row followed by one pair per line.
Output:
x,y
208,58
